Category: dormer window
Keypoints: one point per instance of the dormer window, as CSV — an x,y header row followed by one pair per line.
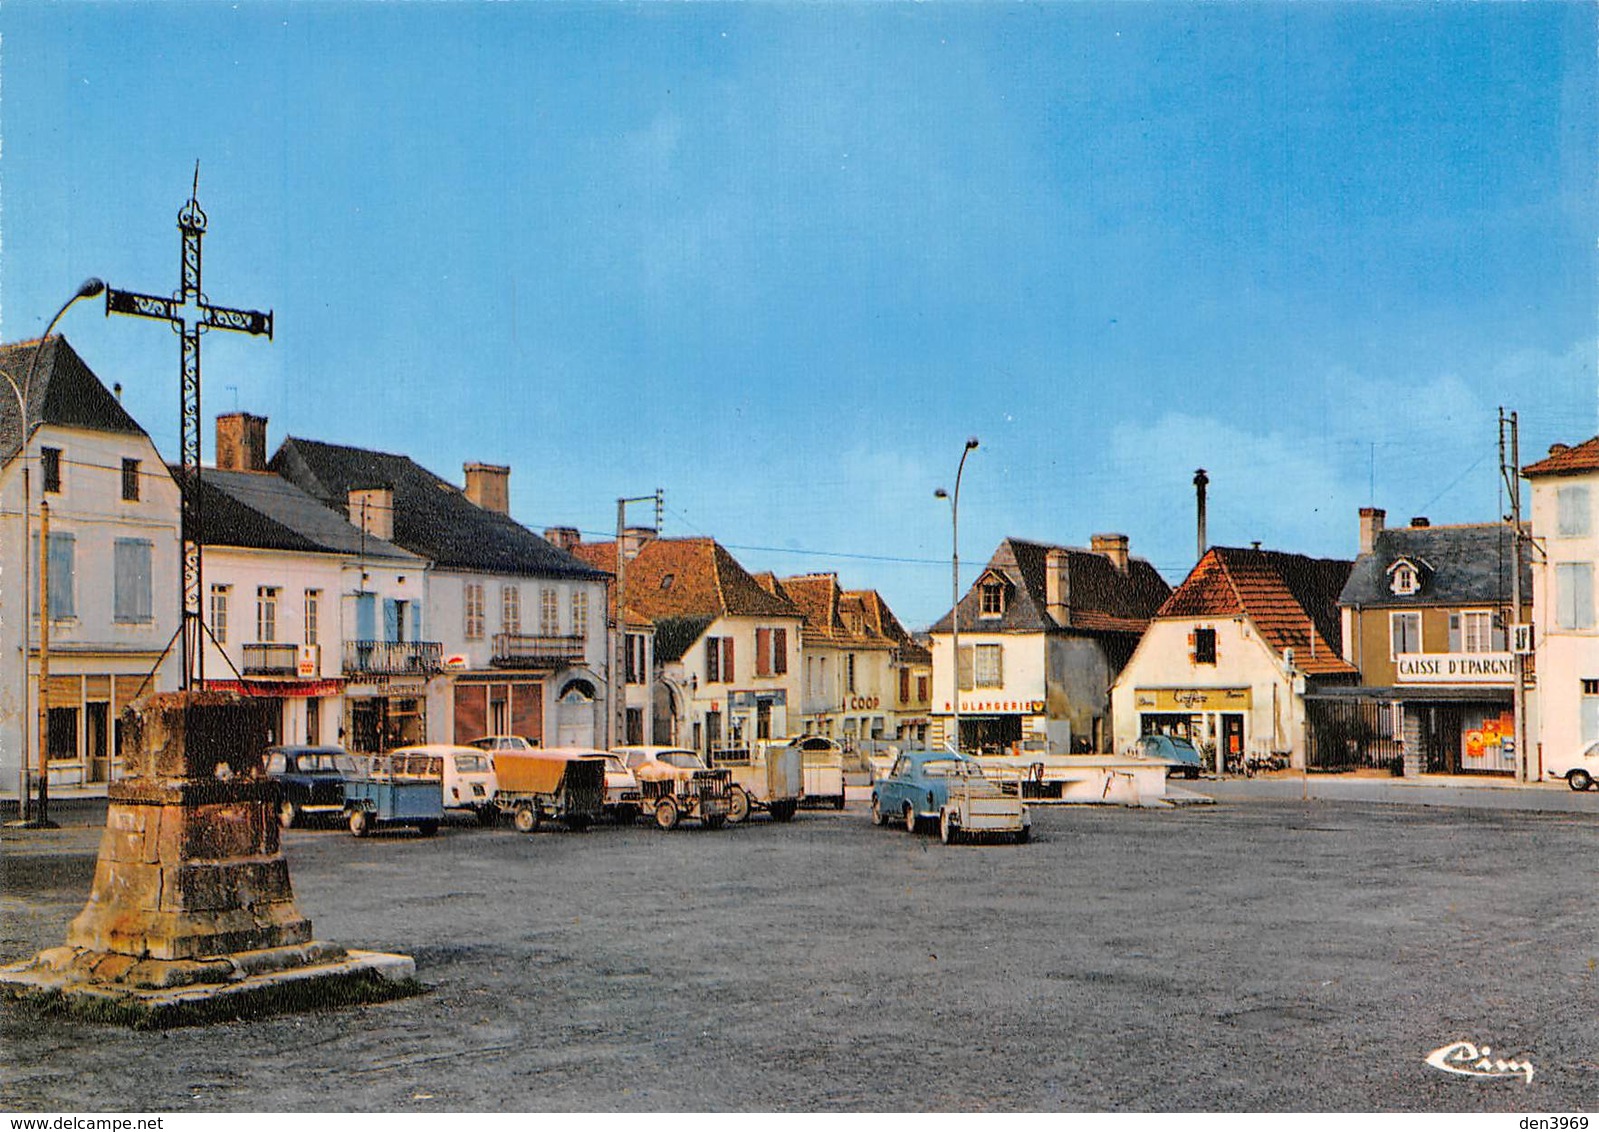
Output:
x,y
666,581
993,599
1403,578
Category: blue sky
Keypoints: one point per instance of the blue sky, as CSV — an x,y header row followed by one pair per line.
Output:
x,y
782,259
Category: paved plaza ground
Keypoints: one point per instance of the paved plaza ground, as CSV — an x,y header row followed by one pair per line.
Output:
x,y
1262,953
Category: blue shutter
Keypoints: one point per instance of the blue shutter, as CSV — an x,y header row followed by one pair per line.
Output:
x,y
391,620
366,628
61,588
416,620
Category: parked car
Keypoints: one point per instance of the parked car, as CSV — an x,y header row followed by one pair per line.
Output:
x,y
674,784
1578,770
503,743
623,801
393,789
1172,749
564,784
310,782
466,776
951,788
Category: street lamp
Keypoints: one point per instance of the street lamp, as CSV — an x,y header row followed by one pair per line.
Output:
x,y
955,585
23,393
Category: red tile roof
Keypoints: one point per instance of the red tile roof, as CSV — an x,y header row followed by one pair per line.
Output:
x,y
1583,457
687,577
1292,601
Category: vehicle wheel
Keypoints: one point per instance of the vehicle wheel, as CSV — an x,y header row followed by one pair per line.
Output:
x,y
666,814
487,815
360,823
878,816
1580,780
427,828
1026,835
910,818
838,803
526,819
948,831
288,814
783,811
715,822
738,806
577,823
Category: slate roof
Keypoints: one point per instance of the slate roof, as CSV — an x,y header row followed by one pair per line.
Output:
x,y
432,517
263,511
1575,460
1460,565
1100,598
1291,600
65,392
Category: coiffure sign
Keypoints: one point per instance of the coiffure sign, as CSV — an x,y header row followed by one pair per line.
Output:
x,y
1455,668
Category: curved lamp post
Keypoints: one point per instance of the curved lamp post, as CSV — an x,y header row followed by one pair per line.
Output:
x,y
89,289
955,586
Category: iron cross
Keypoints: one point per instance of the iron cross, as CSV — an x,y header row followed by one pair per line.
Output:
x,y
190,314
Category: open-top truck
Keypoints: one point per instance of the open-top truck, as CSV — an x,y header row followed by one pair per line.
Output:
x,y
674,784
533,787
769,777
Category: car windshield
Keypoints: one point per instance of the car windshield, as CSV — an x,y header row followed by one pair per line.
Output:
x,y
687,760
614,764
472,764
323,762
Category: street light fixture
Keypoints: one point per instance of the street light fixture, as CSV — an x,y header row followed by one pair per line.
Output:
x,y
955,587
90,288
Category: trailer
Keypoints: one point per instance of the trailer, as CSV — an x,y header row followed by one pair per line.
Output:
x,y
770,778
537,786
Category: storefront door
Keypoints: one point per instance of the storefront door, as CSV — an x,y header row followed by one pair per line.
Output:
x,y
1232,735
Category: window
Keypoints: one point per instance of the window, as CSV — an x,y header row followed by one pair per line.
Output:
x,y
313,615
63,563
1572,512
580,613
1406,580
718,660
989,667
266,613
131,581
1574,595
993,599
1204,646
472,610
904,685
771,652
50,468
849,673
219,612
635,667
549,612
1476,631
1404,633
922,690
130,480
511,609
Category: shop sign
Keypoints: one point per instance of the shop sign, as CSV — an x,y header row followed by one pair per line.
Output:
x,y
776,698
1036,707
1192,699
1455,668
456,662
861,703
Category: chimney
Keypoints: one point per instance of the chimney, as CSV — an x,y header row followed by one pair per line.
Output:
x,y
489,486
1057,585
1371,520
1200,482
562,538
634,538
241,443
1557,448
1421,521
1113,547
372,509
117,390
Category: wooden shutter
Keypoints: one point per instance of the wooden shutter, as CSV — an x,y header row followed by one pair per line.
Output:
x,y
780,651
964,667
727,659
713,660
904,685
763,652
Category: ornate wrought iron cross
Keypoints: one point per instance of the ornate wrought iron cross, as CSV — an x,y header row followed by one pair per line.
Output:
x,y
190,314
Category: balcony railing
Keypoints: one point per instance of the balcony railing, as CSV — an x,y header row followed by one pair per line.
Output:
x,y
392,658
273,659
515,650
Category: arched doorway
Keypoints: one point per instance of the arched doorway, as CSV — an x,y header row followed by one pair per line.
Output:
x,y
575,714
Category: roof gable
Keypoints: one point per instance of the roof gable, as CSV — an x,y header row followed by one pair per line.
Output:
x,y
1467,564
692,578
1563,461
64,392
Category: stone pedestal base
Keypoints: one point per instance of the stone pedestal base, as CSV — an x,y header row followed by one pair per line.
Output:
x,y
162,992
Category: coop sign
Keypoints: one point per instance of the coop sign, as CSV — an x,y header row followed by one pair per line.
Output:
x,y
1456,668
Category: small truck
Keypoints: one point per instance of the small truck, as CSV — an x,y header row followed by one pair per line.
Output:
x,y
533,787
769,778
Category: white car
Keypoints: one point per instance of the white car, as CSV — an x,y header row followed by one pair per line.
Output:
x,y
468,775
1580,771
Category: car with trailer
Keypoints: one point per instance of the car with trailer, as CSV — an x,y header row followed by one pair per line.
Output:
x,y
767,778
393,790
950,789
550,784
674,783
310,782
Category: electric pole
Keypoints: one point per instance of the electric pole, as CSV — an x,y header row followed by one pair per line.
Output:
x,y
1510,472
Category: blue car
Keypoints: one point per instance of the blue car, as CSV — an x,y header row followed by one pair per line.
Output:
x,y
310,782
950,789
1172,749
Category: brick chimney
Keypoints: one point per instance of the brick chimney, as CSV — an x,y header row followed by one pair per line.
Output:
x,y
563,538
241,443
372,509
1113,547
489,486
1057,585
1557,448
1371,521
1421,521
634,538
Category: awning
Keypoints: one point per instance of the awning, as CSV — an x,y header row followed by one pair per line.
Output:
x,y
287,689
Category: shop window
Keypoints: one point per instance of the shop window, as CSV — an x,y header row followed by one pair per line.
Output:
x,y
1588,711
1404,633
130,480
1204,642
989,669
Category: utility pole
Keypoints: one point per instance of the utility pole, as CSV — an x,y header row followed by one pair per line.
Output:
x,y
41,814
1510,472
619,656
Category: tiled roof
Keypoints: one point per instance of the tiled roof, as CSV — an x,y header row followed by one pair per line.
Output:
x,y
1579,458
1292,601
431,516
1099,597
831,613
689,577
64,391
266,512
1460,565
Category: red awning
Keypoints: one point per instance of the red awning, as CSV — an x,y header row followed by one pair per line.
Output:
x,y
288,689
